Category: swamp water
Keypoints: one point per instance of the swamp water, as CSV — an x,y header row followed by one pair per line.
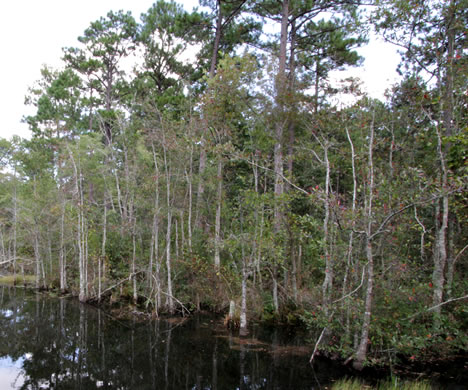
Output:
x,y
62,344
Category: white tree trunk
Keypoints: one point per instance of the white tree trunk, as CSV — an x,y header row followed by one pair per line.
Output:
x,y
361,352
217,260
243,313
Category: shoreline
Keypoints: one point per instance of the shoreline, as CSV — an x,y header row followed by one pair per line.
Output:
x,y
400,365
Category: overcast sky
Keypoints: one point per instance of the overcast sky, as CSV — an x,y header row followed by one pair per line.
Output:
x,y
33,33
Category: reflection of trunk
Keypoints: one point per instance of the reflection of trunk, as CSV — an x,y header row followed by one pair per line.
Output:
x,y
217,260
242,376
152,368
166,358
361,352
81,345
214,378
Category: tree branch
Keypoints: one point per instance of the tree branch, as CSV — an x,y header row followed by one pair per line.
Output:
x,y
436,306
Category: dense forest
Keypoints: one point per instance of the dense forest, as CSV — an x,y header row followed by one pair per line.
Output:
x,y
194,160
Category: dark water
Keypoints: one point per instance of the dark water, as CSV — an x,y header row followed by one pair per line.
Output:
x,y
61,344
48,343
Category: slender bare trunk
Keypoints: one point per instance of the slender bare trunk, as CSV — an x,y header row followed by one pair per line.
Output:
x,y
15,222
170,301
243,313
258,227
328,280
349,255
135,291
80,229
441,239
154,252
447,117
62,266
37,259
361,352
201,186
217,260
294,271
190,194
102,258
292,81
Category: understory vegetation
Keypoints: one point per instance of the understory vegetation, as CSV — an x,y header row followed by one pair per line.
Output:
x,y
229,175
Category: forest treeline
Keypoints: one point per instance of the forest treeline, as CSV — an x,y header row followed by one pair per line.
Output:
x,y
190,159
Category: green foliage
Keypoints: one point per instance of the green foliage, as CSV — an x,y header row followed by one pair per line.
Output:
x,y
115,152
395,383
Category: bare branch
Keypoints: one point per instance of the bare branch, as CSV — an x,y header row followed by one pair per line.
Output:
x,y
436,306
357,288
271,170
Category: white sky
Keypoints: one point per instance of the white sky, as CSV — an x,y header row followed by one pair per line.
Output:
x,y
33,33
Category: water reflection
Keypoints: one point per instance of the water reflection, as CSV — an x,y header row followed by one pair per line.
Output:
x,y
61,344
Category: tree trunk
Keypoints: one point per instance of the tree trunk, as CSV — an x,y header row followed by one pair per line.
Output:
x,y
278,151
170,301
190,193
15,223
219,199
243,314
219,25
102,258
202,166
447,117
361,352
135,291
80,229
37,258
328,280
